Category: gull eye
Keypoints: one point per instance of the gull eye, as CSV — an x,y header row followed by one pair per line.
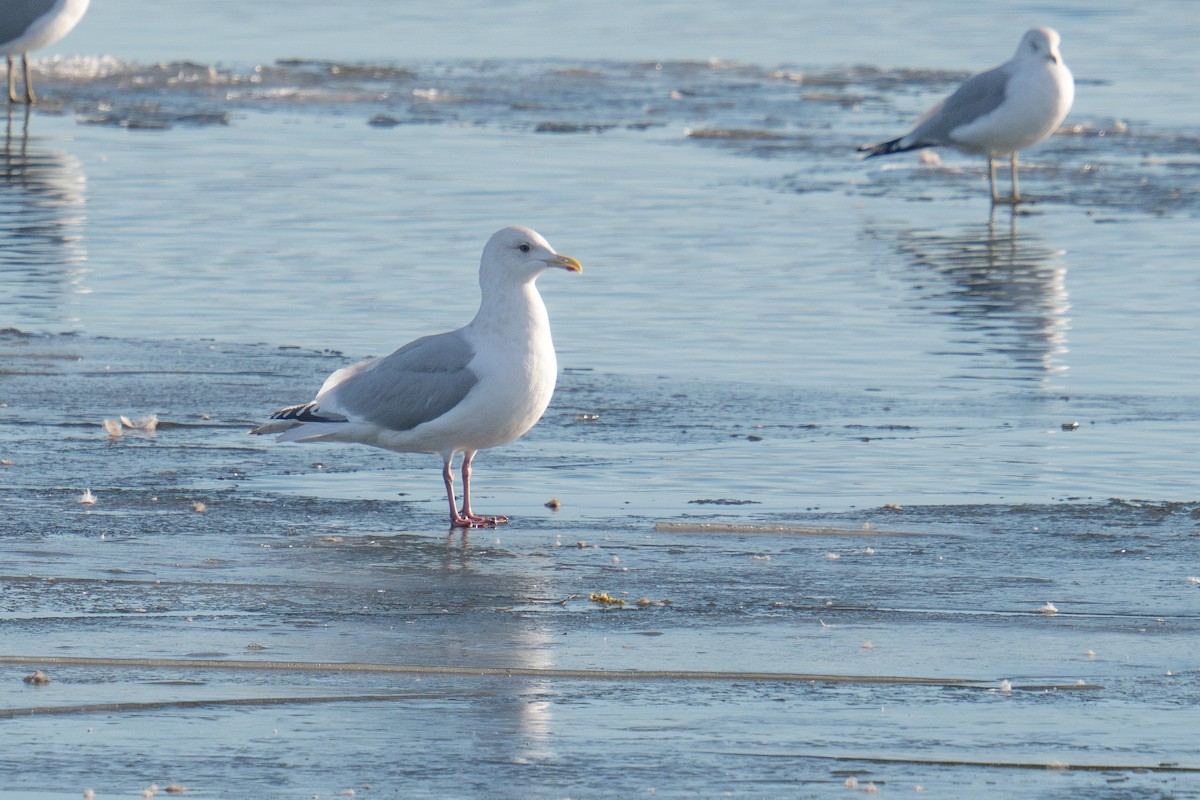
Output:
x,y
524,248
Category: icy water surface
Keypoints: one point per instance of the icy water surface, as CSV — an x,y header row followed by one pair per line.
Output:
x,y
307,630
861,487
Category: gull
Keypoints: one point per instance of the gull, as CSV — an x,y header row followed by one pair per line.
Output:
x,y
998,112
29,24
458,392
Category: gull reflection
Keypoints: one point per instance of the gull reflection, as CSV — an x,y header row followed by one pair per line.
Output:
x,y
501,606
42,211
1004,290
470,603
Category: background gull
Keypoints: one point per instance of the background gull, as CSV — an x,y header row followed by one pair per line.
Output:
x,y
459,392
998,112
29,24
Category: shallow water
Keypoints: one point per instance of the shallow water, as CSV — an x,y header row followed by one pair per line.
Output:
x,y
864,450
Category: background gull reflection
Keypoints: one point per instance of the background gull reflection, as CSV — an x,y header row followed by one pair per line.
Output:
x,y
1005,292
43,254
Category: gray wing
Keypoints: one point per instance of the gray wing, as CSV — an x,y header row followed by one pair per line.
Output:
x,y
418,383
18,15
978,96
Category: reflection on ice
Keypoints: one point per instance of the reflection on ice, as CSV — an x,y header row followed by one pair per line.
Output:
x,y
281,624
1005,290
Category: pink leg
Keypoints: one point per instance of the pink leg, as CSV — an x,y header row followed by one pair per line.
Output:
x,y
465,518
456,520
482,521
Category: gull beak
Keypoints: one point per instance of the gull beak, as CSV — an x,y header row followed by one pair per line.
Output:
x,y
566,262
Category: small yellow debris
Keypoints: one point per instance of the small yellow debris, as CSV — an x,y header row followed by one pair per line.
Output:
x,y
604,598
175,788
893,507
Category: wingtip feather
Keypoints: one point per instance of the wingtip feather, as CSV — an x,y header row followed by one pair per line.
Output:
x,y
884,148
275,426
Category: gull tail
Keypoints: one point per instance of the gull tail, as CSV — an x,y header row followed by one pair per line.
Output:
x,y
898,145
293,417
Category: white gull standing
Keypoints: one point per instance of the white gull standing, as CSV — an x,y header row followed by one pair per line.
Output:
x,y
29,24
998,112
459,392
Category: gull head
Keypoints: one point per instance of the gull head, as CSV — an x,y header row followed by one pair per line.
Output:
x,y
1040,44
518,255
